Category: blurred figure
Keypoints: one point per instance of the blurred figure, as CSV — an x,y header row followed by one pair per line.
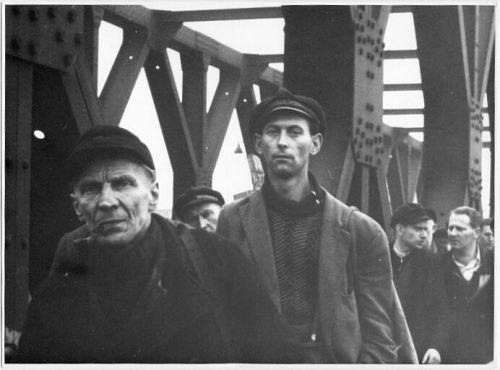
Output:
x,y
469,283
199,207
486,239
419,282
440,241
431,228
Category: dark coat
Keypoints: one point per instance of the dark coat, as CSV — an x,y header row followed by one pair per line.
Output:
x,y
357,299
420,285
177,317
471,338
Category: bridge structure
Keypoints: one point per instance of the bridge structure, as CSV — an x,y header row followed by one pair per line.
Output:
x,y
332,53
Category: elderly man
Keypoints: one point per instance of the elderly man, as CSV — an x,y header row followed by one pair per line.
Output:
x,y
326,266
469,283
199,207
130,286
419,281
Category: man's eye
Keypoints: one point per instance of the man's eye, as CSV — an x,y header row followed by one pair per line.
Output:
x,y
89,189
123,183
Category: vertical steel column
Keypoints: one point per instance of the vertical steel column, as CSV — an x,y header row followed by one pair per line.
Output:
x,y
453,61
334,54
18,104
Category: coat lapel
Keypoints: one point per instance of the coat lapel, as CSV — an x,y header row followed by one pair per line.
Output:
x,y
259,243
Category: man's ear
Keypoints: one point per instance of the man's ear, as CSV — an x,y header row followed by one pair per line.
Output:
x,y
257,138
76,206
155,196
399,229
317,140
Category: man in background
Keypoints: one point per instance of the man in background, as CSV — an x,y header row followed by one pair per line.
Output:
x,y
419,281
199,207
469,280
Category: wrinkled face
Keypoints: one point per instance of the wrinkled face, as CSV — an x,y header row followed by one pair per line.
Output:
x,y
202,216
414,236
486,237
286,144
461,234
115,199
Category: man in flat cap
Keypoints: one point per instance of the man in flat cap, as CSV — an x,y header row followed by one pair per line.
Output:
x,y
199,206
131,286
419,282
469,280
325,266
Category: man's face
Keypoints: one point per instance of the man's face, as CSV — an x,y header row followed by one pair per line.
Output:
x,y
115,199
202,216
413,236
460,233
431,227
486,236
286,144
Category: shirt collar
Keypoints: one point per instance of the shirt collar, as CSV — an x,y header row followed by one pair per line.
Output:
x,y
467,270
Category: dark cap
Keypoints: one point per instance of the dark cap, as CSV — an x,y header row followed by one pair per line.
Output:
x,y
284,100
409,214
106,142
196,195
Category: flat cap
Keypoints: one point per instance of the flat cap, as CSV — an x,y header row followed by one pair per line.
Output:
x,y
409,214
196,195
284,100
106,142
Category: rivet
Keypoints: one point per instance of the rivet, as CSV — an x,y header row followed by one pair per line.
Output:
x,y
51,12
16,10
368,73
380,31
71,16
368,106
362,28
362,135
78,39
24,243
476,161
16,42
360,121
32,49
60,36
359,39
68,60
33,15
379,63
25,165
379,161
360,51
382,151
357,130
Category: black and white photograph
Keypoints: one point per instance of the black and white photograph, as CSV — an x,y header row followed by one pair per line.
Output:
x,y
255,183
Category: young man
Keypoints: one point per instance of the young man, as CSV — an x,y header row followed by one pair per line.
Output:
x,y
199,207
130,286
486,238
325,266
469,283
419,282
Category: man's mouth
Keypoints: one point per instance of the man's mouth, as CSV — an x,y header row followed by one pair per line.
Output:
x,y
108,225
282,157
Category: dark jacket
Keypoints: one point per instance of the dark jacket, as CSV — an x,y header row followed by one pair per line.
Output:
x,y
177,317
471,304
358,306
420,285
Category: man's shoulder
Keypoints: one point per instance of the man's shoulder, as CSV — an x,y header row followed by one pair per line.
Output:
x,y
238,203
349,216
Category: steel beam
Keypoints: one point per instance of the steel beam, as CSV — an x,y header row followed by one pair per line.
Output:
x,y
172,121
194,98
123,75
18,126
225,14
400,54
91,23
82,95
220,55
402,87
445,167
223,104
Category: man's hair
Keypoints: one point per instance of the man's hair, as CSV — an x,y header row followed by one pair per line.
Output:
x,y
486,222
474,216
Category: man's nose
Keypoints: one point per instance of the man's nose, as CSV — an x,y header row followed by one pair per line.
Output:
x,y
107,197
283,139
